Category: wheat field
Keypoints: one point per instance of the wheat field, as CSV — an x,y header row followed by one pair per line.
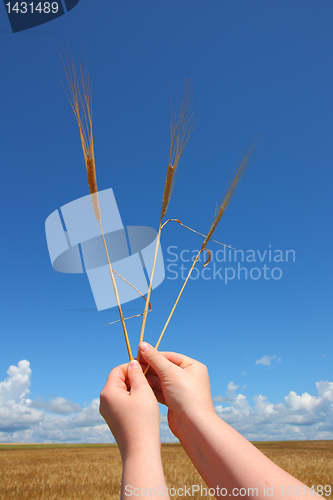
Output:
x,y
93,472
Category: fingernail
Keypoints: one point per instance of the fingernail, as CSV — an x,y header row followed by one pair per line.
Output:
x,y
144,347
133,364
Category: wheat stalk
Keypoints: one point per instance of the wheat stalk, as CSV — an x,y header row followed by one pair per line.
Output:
x,y
81,103
240,170
136,315
194,231
181,129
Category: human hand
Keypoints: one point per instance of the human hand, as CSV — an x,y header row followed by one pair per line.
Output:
x,y
181,383
130,409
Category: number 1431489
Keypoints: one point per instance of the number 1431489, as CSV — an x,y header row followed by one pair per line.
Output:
x,y
26,7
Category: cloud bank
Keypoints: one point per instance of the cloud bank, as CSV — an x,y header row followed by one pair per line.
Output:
x,y
297,417
60,420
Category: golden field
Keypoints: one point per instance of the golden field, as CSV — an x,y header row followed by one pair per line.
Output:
x,y
93,472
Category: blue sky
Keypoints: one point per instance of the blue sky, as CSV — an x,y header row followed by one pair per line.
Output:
x,y
256,68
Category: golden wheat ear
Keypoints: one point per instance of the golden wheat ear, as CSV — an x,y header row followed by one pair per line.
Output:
x,y
240,169
81,102
182,126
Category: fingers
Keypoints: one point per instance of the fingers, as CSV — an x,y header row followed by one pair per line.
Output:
x,y
115,384
159,396
154,381
163,362
179,359
155,384
159,363
136,378
117,378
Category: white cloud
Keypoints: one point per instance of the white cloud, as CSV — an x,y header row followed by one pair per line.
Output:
x,y
166,434
57,420
88,416
267,360
231,389
57,405
303,416
219,399
298,417
15,411
16,386
229,394
62,406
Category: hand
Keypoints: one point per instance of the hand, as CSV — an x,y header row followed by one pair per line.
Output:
x,y
179,382
130,409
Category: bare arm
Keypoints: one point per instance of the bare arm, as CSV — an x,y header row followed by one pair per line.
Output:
x,y
225,460
143,474
130,409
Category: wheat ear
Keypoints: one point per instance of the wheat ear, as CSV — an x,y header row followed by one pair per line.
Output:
x,y
81,102
181,128
240,170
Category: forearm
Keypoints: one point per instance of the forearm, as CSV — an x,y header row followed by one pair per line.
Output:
x,y
143,473
225,459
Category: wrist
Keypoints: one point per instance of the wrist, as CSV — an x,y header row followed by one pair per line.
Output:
x,y
140,446
192,424
191,418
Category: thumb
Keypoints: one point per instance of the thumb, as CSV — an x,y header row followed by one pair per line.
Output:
x,y
135,376
156,360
